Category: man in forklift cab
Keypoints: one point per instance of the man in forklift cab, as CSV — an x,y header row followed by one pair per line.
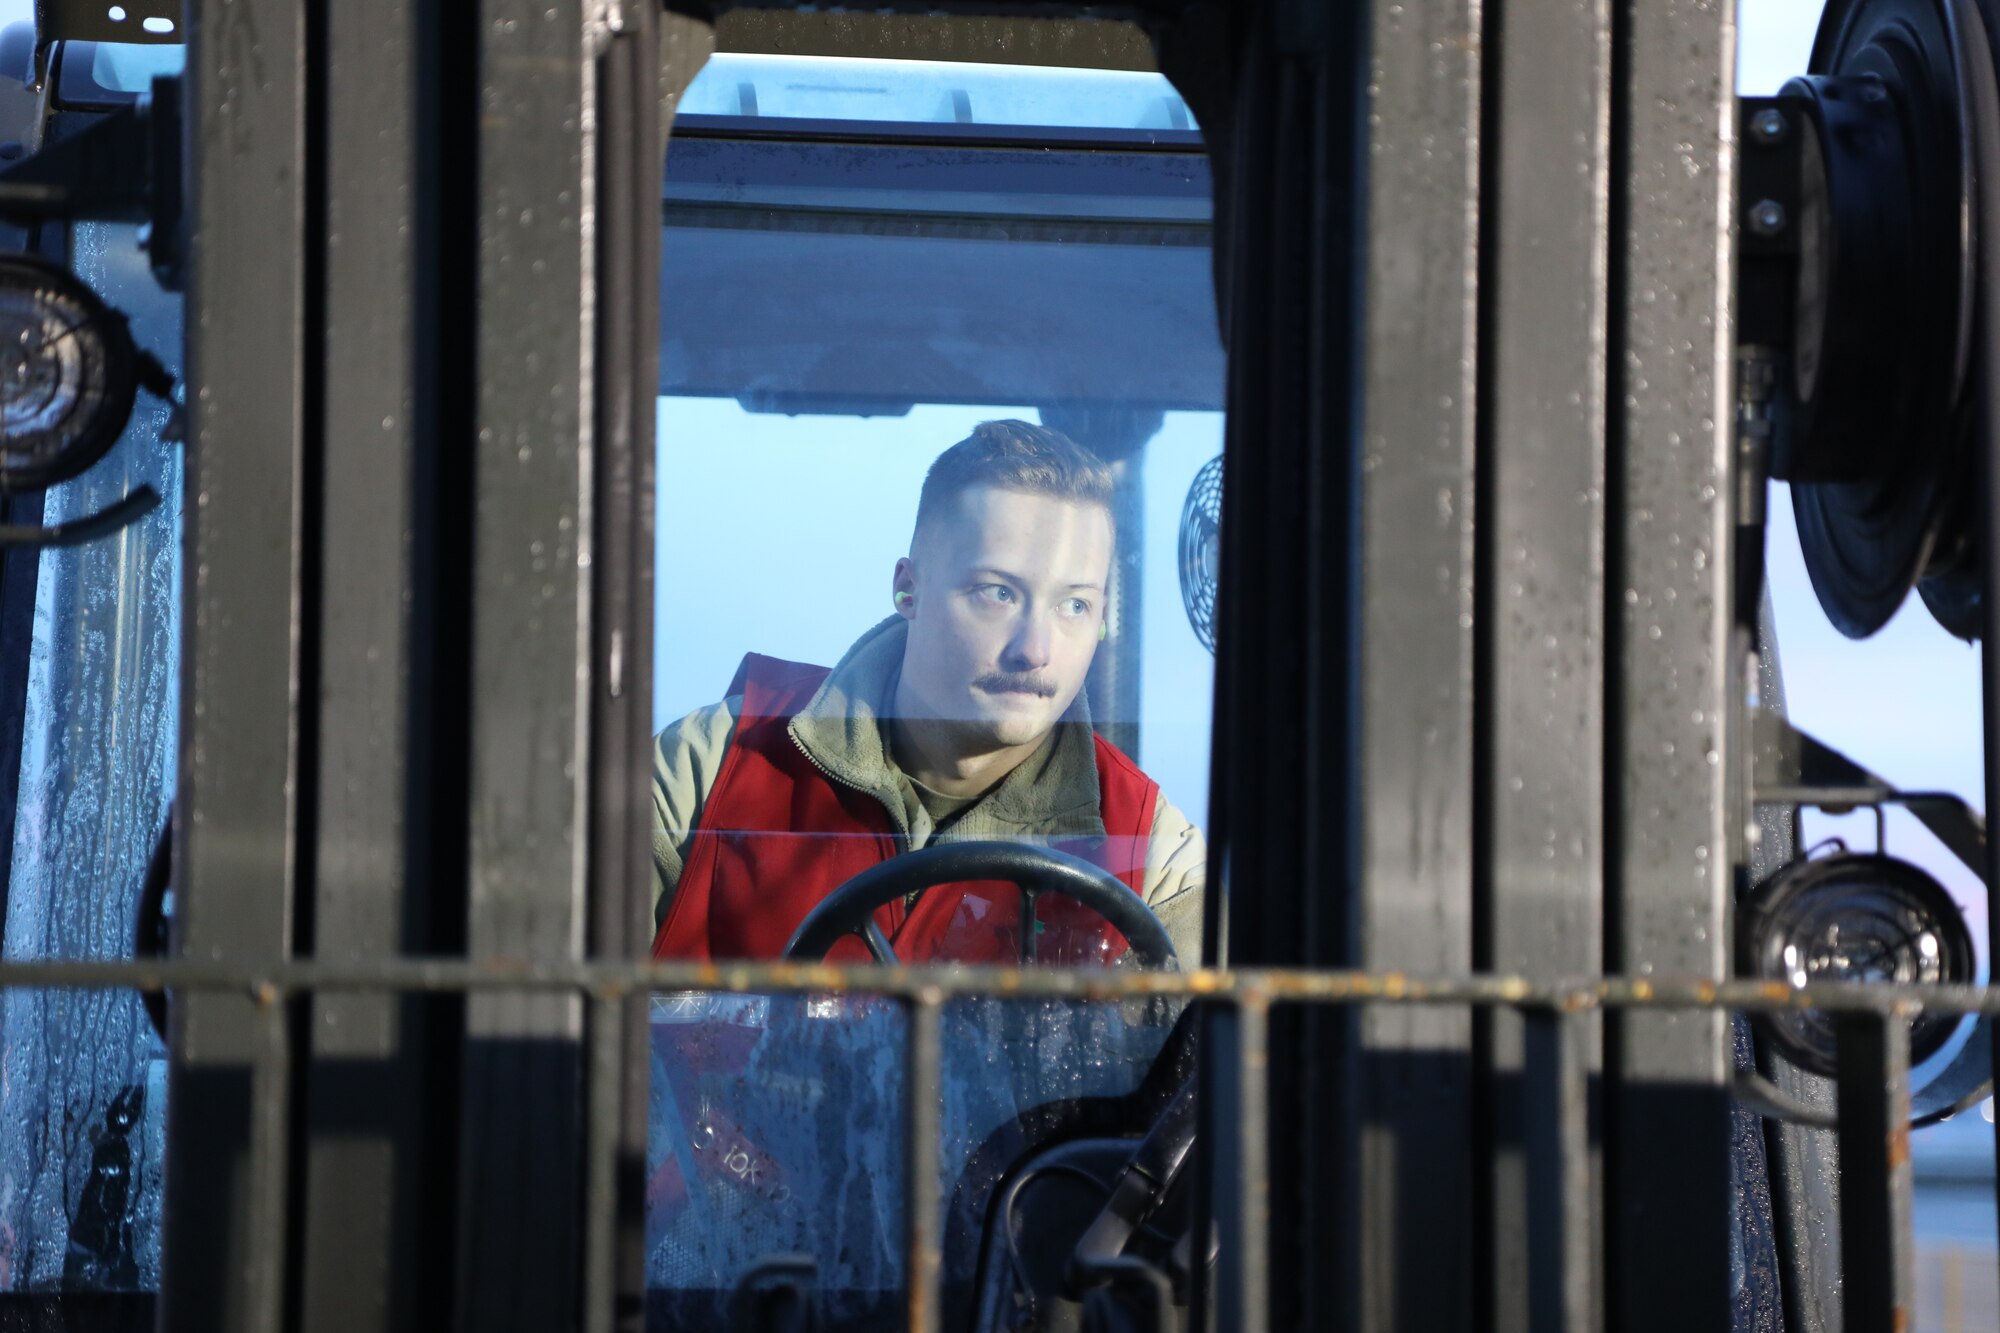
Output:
x,y
959,717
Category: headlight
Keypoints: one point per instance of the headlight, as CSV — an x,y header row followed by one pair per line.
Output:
x,y
1855,918
68,374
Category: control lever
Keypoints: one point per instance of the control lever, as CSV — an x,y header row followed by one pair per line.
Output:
x,y
1135,1195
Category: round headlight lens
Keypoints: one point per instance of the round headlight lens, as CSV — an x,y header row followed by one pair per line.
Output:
x,y
68,375
1855,919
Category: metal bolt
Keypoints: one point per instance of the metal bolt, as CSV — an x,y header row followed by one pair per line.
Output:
x,y
1767,217
1768,126
1874,93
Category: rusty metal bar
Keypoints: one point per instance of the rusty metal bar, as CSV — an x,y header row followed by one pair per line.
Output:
x,y
1876,1181
604,1086
1563,1291
1285,986
924,1263
1563,1283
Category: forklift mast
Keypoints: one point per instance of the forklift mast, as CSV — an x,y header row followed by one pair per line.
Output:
x,y
1503,1018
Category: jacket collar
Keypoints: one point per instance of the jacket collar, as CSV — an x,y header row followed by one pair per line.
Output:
x,y
843,729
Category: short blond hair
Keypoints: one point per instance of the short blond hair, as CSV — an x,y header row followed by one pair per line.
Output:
x,y
1014,455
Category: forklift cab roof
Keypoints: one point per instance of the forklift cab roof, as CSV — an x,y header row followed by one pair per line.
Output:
x,y
799,186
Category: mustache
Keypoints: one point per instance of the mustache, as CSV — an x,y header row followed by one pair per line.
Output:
x,y
1026,682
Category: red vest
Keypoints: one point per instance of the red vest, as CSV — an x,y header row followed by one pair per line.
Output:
x,y
776,835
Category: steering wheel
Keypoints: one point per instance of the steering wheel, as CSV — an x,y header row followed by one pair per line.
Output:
x,y
850,909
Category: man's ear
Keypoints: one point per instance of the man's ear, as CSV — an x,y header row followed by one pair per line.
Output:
x,y
903,589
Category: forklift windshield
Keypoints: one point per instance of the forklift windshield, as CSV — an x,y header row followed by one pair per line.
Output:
x,y
869,264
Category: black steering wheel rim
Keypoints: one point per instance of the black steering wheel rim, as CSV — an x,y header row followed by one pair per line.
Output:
x,y
850,909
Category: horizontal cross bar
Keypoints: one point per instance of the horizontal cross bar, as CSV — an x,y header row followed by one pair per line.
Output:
x,y
933,985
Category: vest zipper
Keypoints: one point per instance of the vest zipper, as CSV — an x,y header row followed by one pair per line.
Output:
x,y
902,839
899,841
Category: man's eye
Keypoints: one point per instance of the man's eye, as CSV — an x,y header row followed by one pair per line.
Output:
x,y
995,592
1076,606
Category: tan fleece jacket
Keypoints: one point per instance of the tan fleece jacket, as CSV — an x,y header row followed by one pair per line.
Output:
x,y
1052,795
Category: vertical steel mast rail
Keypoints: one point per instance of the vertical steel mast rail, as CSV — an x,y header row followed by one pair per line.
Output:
x,y
418,604
1540,516
1678,670
245,664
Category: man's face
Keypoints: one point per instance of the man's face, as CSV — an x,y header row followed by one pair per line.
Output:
x,y
1005,598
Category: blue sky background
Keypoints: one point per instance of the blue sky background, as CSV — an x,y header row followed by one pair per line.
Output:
x,y
1774,39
